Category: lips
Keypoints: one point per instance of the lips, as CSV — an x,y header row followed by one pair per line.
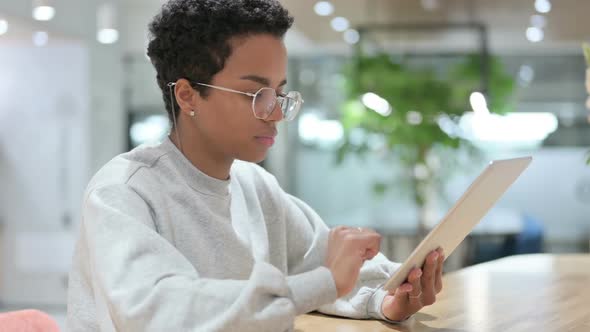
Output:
x,y
266,140
267,137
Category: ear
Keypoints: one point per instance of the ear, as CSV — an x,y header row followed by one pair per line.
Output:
x,y
186,96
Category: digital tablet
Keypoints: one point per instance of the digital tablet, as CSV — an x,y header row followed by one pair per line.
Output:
x,y
481,195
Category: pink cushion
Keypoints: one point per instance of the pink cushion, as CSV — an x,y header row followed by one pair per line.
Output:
x,y
27,321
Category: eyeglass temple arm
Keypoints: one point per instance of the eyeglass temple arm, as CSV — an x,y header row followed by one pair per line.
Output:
x,y
226,89
236,91
244,93
218,88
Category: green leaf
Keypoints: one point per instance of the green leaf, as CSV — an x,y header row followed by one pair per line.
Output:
x,y
586,48
380,188
408,88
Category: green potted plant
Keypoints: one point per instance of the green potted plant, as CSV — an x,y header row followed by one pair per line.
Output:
x,y
406,108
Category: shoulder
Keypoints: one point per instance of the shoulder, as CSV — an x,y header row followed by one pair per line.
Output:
x,y
120,170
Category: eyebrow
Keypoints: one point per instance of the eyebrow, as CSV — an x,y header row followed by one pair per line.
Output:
x,y
261,80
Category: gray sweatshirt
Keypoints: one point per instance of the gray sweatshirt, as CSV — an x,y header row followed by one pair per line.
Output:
x,y
164,247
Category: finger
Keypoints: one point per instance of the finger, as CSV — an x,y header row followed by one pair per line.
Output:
x,y
415,296
403,289
374,248
361,242
396,307
369,241
376,241
340,229
429,269
402,307
359,246
438,285
428,278
337,232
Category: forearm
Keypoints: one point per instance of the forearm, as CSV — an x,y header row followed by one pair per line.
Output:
x,y
266,302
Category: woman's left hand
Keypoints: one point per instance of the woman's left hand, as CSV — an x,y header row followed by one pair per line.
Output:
x,y
420,290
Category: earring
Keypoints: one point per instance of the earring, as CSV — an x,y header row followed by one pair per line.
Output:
x,y
192,113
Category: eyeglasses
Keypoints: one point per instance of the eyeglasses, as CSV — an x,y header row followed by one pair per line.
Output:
x,y
265,100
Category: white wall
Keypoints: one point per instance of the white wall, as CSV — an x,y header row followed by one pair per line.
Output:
x,y
556,190
44,112
62,117
108,120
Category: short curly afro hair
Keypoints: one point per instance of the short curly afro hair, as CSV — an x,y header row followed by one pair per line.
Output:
x,y
191,38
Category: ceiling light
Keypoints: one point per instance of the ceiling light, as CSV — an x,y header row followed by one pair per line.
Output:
x,y
543,6
351,36
106,18
43,10
40,38
323,8
107,36
3,26
340,24
534,34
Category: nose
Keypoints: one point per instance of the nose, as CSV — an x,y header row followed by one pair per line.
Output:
x,y
277,114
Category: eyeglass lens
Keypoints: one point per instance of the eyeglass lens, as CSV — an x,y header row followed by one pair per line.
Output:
x,y
265,101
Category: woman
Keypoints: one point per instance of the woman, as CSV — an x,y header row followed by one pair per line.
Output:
x,y
192,235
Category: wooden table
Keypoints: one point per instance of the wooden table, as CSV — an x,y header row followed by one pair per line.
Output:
x,y
542,293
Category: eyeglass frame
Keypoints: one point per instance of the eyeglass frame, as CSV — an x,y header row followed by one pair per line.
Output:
x,y
253,95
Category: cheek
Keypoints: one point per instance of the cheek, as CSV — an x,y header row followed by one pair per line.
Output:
x,y
233,117
238,111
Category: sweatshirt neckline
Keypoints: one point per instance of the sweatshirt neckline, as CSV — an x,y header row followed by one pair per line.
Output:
x,y
195,178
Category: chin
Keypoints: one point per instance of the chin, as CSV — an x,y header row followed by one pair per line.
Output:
x,y
254,157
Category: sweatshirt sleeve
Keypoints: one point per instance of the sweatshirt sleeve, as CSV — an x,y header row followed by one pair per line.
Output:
x,y
308,242
142,283
364,301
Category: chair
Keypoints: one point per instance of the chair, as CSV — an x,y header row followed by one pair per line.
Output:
x,y
27,321
528,241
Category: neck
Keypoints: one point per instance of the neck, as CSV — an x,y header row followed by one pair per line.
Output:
x,y
200,154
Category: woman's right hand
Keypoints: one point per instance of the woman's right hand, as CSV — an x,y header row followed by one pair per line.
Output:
x,y
348,248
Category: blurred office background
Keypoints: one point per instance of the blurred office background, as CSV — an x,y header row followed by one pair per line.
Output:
x,y
76,89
